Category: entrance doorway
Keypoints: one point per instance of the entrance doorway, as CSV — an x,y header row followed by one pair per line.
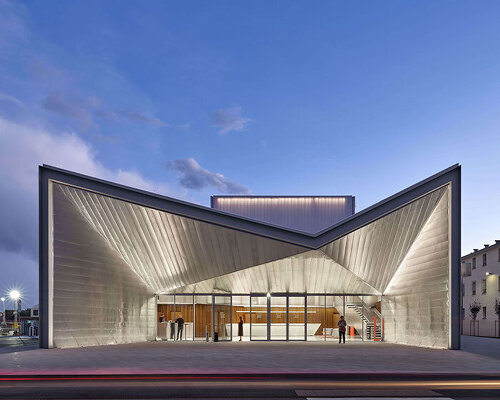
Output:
x,y
222,324
277,316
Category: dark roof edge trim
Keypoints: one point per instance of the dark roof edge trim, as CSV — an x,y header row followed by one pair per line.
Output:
x,y
217,217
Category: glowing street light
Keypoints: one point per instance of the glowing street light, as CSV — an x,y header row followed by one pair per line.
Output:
x,y
15,295
3,315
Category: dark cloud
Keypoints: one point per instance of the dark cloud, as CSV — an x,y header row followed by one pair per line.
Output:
x,y
85,110
229,119
69,106
140,117
193,176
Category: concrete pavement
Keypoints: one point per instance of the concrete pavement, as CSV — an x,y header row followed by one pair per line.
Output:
x,y
478,356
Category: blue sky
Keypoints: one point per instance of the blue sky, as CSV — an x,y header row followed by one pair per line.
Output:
x,y
191,99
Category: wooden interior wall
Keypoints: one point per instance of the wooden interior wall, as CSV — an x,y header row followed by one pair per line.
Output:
x,y
203,319
203,315
186,310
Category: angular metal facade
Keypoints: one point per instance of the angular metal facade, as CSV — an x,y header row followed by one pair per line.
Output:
x,y
416,305
106,250
97,298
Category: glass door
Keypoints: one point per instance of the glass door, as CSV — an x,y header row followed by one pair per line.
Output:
x,y
334,309
355,317
316,318
241,318
222,317
166,329
258,318
184,317
278,317
297,318
203,317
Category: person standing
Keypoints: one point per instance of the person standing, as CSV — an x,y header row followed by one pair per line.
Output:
x,y
240,328
180,326
342,324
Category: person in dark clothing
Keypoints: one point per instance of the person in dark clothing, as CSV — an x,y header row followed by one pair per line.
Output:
x,y
172,329
180,326
240,328
342,328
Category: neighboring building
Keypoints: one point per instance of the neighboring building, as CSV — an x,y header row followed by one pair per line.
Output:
x,y
121,265
28,325
481,284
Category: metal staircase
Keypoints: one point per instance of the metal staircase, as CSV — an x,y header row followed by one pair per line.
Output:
x,y
371,332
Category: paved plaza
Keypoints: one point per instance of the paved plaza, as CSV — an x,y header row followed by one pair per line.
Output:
x,y
479,355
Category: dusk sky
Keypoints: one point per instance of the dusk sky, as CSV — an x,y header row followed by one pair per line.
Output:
x,y
189,99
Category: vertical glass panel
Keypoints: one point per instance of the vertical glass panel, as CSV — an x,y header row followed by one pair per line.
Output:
x,y
296,318
165,318
184,318
316,318
222,317
333,310
258,318
278,318
241,309
202,317
373,318
355,317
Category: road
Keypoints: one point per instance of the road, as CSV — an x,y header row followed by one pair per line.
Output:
x,y
286,386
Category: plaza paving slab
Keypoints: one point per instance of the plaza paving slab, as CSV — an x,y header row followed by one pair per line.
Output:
x,y
478,356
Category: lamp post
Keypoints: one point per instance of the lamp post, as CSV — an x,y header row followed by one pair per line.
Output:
x,y
15,295
3,315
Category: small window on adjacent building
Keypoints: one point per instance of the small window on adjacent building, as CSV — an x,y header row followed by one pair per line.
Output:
x,y
473,287
463,289
473,262
484,312
499,283
483,286
499,254
35,313
484,259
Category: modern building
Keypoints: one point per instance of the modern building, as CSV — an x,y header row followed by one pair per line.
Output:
x,y
121,265
481,286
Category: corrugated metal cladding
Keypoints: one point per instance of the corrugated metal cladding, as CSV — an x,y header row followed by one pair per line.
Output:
x,y
111,256
309,214
98,299
416,304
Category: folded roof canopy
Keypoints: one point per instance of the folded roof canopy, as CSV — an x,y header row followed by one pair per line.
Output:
x,y
167,245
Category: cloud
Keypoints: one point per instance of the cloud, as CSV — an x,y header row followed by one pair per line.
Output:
x,y
229,119
24,147
72,107
193,176
84,110
11,99
12,27
140,117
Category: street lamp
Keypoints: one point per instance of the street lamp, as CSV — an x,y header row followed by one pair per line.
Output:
x,y
15,295
3,315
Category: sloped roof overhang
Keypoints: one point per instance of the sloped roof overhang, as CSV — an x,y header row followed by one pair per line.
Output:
x,y
450,175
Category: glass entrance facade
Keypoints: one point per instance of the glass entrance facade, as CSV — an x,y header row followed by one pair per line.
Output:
x,y
282,317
